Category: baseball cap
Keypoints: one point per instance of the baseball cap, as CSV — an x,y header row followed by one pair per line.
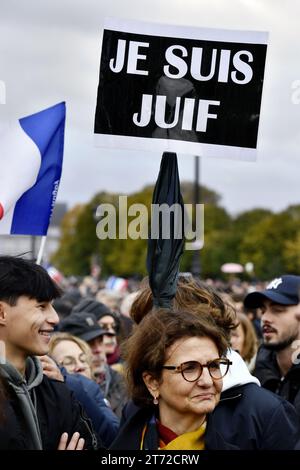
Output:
x,y
83,325
282,290
96,308
91,306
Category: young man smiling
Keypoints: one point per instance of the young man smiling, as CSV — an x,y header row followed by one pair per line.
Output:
x,y
278,366
38,412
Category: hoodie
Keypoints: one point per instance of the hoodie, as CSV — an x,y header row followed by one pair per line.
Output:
x,y
238,373
23,388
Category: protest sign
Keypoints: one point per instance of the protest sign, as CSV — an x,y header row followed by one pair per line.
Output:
x,y
189,90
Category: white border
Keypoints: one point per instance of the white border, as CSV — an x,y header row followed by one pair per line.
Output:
x,y
177,146
185,32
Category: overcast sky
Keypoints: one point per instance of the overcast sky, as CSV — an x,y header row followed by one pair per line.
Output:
x,y
50,52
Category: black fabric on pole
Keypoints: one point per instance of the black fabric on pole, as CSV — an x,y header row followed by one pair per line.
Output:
x,y
164,253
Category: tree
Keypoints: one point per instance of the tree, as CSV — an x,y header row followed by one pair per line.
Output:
x,y
270,241
79,240
291,250
291,254
65,257
264,244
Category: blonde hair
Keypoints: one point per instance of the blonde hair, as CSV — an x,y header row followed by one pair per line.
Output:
x,y
58,337
250,342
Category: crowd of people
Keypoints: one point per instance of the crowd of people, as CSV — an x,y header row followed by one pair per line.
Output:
x,y
84,367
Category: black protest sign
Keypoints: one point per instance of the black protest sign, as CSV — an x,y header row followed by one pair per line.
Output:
x,y
177,89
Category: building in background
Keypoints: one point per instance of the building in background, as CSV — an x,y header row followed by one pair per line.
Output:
x,y
20,244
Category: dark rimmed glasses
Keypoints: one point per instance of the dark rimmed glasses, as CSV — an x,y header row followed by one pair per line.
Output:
x,y
192,370
108,326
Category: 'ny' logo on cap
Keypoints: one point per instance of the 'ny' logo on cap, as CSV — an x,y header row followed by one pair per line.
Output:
x,y
275,283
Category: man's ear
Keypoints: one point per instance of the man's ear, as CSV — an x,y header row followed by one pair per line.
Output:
x,y
151,383
3,313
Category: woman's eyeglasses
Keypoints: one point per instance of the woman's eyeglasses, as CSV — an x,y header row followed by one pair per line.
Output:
x,y
108,326
192,370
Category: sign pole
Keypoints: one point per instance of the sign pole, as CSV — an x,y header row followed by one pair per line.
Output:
x,y
196,264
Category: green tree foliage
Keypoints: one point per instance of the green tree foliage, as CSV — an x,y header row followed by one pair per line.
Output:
x,y
270,241
207,196
291,254
247,219
66,257
217,223
291,250
265,244
240,226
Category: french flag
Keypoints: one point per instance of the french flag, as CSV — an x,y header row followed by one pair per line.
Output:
x,y
31,156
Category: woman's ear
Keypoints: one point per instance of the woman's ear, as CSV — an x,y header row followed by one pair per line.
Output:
x,y
151,383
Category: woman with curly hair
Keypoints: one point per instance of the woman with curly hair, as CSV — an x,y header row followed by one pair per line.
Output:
x,y
169,372
175,364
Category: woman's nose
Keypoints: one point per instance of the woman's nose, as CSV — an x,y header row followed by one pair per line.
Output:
x,y
205,378
79,368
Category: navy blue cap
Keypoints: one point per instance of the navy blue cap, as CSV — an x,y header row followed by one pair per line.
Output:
x,y
96,308
92,306
284,290
83,325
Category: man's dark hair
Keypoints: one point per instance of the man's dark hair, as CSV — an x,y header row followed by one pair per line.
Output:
x,y
23,277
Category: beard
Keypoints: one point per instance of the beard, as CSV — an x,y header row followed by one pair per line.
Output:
x,y
281,345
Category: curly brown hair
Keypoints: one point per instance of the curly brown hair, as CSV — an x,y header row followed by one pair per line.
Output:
x,y
191,295
145,350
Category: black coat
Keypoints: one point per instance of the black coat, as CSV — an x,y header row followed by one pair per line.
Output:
x,y
253,418
269,375
247,418
57,412
129,437
114,390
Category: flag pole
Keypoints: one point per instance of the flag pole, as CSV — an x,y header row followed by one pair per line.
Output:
x,y
196,264
41,250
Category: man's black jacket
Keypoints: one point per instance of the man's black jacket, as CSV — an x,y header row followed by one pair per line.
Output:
x,y
269,375
57,412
